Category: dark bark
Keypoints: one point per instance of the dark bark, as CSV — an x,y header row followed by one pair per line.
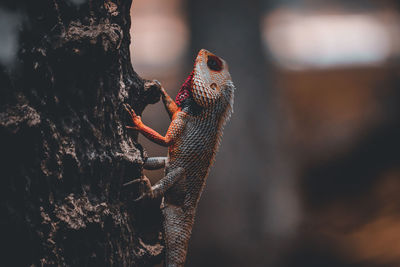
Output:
x,y
65,153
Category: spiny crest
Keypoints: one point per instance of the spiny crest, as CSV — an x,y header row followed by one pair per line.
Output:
x,y
228,94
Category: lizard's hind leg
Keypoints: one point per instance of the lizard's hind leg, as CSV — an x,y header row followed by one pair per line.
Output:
x,y
155,163
159,189
168,181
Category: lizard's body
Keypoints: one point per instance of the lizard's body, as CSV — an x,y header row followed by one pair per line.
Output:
x,y
202,107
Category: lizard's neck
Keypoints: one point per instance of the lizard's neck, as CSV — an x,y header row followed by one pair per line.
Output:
x,y
184,92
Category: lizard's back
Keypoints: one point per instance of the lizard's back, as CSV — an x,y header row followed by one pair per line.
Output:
x,y
194,151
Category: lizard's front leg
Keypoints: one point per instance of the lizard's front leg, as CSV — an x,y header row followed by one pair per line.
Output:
x,y
169,103
175,128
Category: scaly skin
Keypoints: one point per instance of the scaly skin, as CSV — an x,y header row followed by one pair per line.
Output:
x,y
198,115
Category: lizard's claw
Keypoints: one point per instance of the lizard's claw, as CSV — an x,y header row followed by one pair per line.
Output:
x,y
148,195
158,83
139,198
134,182
130,110
137,121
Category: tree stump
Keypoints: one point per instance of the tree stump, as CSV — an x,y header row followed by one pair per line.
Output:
x,y
65,152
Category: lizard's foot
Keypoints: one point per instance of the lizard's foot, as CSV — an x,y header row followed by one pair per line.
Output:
x,y
137,121
130,110
132,128
153,83
136,181
144,180
148,194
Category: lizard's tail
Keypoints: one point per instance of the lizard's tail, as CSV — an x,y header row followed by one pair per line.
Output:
x,y
177,230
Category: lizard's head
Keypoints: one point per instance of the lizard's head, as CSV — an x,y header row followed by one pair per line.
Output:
x,y
209,80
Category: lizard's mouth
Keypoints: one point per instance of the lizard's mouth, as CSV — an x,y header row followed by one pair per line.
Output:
x,y
184,92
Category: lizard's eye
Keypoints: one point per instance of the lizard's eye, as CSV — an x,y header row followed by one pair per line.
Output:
x,y
214,63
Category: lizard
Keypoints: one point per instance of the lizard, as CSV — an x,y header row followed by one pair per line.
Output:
x,y
202,107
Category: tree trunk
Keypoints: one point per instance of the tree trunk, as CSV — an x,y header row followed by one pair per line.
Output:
x,y
65,152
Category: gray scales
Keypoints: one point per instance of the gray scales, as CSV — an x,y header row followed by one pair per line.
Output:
x,y
201,109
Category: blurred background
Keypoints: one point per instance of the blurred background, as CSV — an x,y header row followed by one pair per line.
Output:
x,y
308,173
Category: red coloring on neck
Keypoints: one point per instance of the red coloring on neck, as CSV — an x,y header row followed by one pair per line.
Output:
x,y
184,92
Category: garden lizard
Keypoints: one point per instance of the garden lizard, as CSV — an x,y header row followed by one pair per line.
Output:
x,y
198,115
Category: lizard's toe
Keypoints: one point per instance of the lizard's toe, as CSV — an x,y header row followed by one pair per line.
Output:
x,y
134,181
148,195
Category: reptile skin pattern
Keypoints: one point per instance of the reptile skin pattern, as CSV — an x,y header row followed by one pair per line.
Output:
x,y
201,109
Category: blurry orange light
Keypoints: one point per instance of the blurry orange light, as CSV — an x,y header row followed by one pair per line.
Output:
x,y
300,40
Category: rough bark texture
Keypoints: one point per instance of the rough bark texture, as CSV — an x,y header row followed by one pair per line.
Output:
x,y
65,153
